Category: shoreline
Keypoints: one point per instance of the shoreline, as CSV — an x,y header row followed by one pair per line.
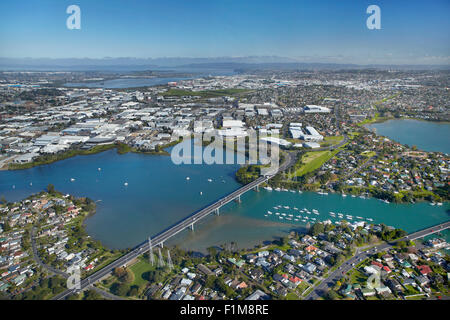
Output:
x,y
385,119
120,148
373,130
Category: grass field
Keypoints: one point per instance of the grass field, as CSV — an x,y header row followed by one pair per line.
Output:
x,y
292,296
314,160
331,141
138,269
358,277
368,154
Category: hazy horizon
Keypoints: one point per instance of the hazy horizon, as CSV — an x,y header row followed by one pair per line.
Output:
x,y
412,32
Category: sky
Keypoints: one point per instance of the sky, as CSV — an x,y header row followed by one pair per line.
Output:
x,y
412,32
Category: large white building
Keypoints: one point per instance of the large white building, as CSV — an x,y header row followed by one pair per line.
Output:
x,y
309,134
315,109
232,128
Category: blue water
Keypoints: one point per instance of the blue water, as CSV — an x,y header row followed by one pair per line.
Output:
x,y
159,195
426,135
125,83
249,225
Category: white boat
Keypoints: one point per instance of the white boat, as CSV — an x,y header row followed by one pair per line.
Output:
x,y
284,189
295,208
357,217
290,215
293,191
300,191
439,203
269,212
187,178
369,219
432,203
125,184
288,218
265,215
286,207
281,218
277,189
304,220
31,183
201,193
209,180
72,179
295,219
344,195
99,169
283,214
268,188
353,196
277,213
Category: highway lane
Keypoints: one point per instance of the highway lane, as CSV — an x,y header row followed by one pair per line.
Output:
x,y
322,288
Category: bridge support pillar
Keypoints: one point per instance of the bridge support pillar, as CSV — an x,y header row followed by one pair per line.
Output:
x,y
238,199
256,188
217,211
192,227
161,244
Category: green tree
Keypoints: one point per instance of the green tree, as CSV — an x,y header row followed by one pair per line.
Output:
x,y
332,295
92,295
317,228
120,289
134,291
51,188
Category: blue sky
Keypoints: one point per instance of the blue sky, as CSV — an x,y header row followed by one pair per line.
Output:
x,y
416,32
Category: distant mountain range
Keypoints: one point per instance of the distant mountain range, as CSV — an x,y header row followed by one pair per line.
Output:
x,y
180,63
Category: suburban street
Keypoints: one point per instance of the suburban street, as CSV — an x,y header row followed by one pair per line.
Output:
x,y
321,289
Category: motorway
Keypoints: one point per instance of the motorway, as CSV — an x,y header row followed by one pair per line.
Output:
x,y
321,289
176,228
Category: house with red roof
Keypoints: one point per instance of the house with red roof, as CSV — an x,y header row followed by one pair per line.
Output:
x,y
295,280
424,269
376,263
311,249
